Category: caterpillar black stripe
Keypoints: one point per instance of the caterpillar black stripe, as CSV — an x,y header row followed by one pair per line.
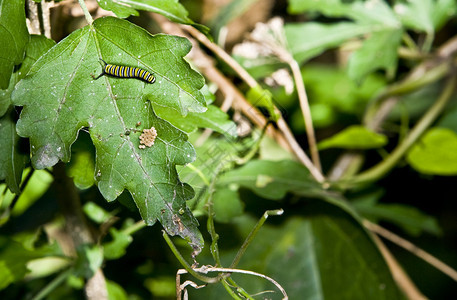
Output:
x,y
126,72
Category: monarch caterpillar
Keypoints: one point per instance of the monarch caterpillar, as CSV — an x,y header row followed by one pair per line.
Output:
x,y
126,72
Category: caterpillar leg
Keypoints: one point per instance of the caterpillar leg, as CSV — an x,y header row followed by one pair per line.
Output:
x,y
103,70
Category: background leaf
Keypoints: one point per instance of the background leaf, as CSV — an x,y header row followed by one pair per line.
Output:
x,y
435,153
379,51
12,158
310,257
354,137
226,205
12,161
14,257
307,40
112,108
409,218
13,38
375,19
364,12
272,179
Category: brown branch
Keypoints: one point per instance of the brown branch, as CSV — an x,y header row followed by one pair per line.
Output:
x,y
76,226
400,277
438,264
33,23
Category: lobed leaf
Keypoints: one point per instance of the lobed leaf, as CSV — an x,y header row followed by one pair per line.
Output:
x,y
60,97
214,118
171,9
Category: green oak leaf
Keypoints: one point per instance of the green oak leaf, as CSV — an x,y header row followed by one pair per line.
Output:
x,y
354,137
214,118
60,97
171,9
13,38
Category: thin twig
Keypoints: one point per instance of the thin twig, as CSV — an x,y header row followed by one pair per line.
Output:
x,y
302,157
438,264
244,75
304,105
77,228
33,20
402,279
46,13
23,186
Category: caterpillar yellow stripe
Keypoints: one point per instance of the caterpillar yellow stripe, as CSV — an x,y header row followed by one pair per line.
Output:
x,y
126,72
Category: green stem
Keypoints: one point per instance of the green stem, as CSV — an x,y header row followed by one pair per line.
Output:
x,y
254,150
230,290
184,262
386,165
418,79
134,228
199,173
214,248
86,12
238,288
23,186
410,42
252,234
53,284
